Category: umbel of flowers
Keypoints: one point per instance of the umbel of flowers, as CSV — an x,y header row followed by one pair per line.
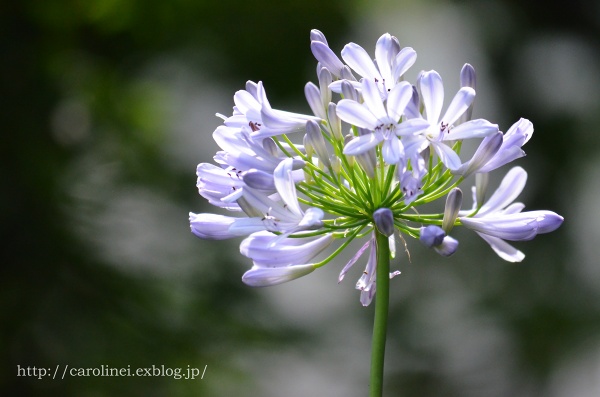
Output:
x,y
302,187
375,149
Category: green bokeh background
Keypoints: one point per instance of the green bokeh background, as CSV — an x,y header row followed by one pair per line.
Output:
x,y
108,105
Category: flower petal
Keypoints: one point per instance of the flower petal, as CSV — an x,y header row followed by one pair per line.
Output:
x,y
447,155
372,98
461,101
392,150
397,100
284,182
404,60
327,57
285,252
266,276
432,91
511,186
503,249
362,144
412,126
385,52
213,226
358,59
356,114
478,128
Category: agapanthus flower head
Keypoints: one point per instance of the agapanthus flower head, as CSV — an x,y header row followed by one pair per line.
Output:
x,y
302,187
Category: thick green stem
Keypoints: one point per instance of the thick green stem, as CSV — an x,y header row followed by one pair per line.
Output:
x,y
382,300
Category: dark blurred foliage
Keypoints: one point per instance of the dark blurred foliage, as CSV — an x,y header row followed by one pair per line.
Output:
x,y
60,304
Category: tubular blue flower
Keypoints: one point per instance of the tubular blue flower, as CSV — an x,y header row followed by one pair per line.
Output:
x,y
385,123
260,276
440,130
499,220
260,180
220,186
217,227
270,250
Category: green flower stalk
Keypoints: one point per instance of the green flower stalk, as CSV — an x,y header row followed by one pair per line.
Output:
x,y
374,150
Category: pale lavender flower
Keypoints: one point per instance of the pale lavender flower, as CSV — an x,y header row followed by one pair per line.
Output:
x,y
500,219
391,62
213,226
222,187
440,130
261,276
270,250
487,150
242,152
402,152
283,216
277,260
411,179
324,54
253,110
385,122
512,141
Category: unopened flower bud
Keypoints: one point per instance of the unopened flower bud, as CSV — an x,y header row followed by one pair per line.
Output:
x,y
481,184
348,91
468,77
434,237
346,74
314,138
335,123
325,79
260,180
270,146
313,97
317,35
384,220
453,204
413,108
308,148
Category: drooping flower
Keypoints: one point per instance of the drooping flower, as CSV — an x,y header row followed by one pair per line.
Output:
x,y
500,219
279,260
